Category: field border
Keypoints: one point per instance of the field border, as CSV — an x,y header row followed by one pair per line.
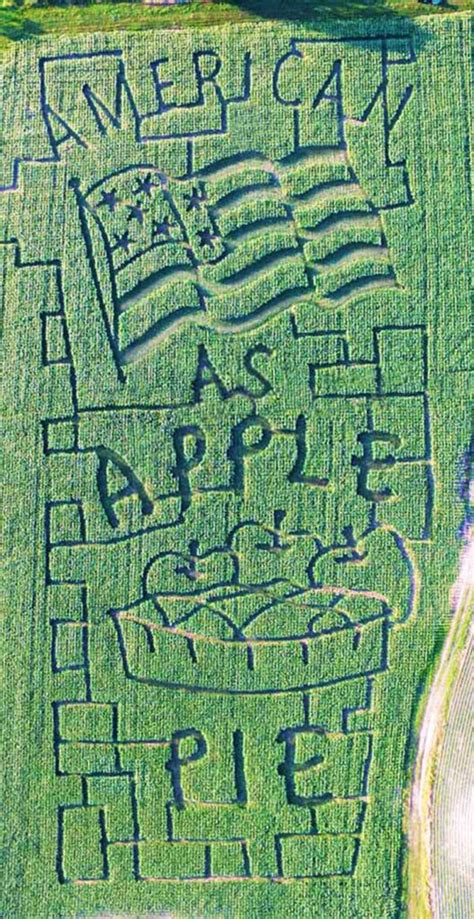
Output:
x,y
430,736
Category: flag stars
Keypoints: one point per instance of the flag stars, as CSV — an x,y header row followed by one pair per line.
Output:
x,y
122,241
145,186
207,237
195,199
162,228
109,199
137,212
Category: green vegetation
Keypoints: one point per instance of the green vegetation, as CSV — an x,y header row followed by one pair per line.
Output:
x,y
235,367
29,20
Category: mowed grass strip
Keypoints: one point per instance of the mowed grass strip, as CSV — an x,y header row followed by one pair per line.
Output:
x,y
29,21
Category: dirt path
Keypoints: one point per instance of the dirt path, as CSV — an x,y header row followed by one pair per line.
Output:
x,y
452,837
431,831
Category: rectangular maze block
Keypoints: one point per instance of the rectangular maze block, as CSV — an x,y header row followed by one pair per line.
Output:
x,y
173,860
64,522
65,602
214,822
229,859
59,436
68,645
403,359
344,380
87,721
83,844
340,817
115,795
55,347
313,856
86,736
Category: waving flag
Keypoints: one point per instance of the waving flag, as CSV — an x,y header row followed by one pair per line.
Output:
x,y
236,243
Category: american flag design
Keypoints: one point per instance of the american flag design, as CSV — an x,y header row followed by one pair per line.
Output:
x,y
231,246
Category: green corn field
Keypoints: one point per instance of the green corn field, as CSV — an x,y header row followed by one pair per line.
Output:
x,y
236,349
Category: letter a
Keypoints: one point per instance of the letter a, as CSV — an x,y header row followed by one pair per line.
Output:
x,y
133,487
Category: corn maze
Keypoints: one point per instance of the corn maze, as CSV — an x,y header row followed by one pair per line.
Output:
x,y
236,348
